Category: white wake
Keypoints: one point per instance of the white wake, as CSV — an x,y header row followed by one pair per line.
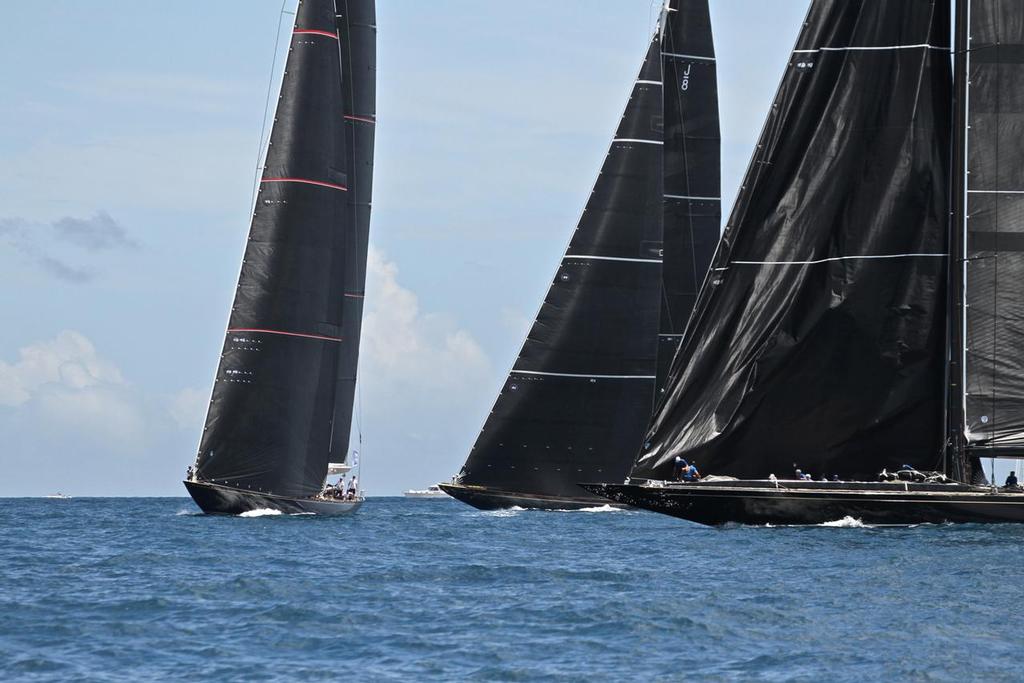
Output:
x,y
261,512
505,512
599,508
847,523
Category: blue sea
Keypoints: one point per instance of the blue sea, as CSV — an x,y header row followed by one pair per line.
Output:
x,y
408,590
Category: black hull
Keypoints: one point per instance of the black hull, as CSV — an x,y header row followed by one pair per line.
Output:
x,y
492,499
759,503
214,499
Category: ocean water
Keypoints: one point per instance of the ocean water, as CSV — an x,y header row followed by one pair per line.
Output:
x,y
146,589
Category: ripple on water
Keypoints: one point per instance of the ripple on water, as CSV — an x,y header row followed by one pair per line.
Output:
x,y
134,590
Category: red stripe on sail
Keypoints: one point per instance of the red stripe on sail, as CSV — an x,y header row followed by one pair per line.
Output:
x,y
306,181
283,333
314,32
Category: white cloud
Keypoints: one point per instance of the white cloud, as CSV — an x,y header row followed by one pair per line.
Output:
x,y
66,408
67,363
426,384
404,346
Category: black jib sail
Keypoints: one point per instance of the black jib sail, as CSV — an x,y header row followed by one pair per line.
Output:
x,y
992,231
282,397
582,388
820,337
692,157
357,29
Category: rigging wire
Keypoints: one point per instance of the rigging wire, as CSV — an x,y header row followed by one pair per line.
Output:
x,y
260,151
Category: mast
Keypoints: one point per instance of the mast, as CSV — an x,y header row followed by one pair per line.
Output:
x,y
954,453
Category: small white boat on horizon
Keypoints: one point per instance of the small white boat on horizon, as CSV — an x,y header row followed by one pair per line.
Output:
x,y
429,492
58,496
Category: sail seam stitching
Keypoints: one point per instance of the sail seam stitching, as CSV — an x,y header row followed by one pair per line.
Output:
x,y
834,258
565,374
647,142
676,55
681,196
613,258
878,48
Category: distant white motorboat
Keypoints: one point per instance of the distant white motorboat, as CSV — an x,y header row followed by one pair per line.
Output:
x,y
429,492
58,496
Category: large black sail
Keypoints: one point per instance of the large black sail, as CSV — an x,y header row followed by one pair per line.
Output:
x,y
357,29
819,339
993,271
272,413
692,207
581,390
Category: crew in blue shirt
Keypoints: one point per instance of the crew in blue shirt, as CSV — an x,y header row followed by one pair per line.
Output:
x,y
679,468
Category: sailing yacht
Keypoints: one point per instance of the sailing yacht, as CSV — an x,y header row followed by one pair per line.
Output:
x,y
865,313
579,396
281,411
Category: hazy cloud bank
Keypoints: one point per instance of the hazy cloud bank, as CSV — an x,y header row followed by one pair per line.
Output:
x,y
65,408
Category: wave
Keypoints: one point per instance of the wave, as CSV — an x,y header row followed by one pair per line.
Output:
x,y
261,512
598,508
504,512
187,513
847,523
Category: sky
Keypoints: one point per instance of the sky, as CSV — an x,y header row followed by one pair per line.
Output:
x,y
129,139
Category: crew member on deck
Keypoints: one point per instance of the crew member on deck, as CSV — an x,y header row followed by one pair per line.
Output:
x,y
1011,481
353,487
679,467
691,473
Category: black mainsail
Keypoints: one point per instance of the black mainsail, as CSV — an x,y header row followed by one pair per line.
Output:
x,y
282,400
819,338
991,234
582,388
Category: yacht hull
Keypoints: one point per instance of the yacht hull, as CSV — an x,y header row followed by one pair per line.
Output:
x,y
759,503
215,499
492,499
